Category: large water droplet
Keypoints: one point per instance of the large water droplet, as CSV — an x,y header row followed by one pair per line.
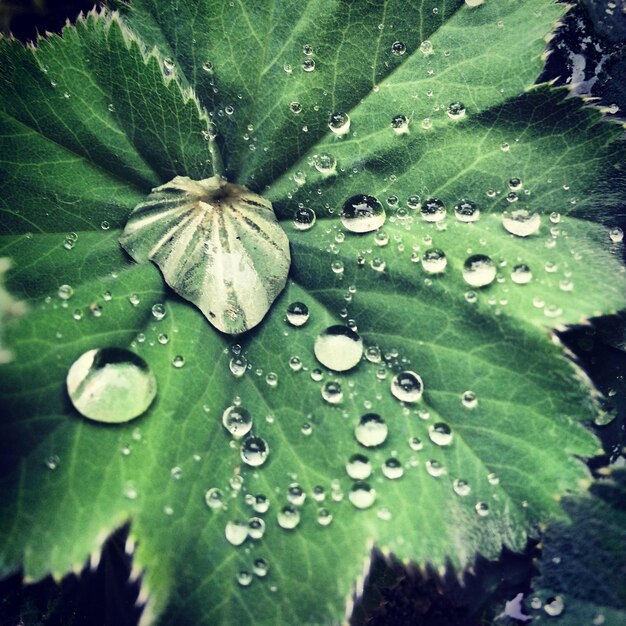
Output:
x,y
339,123
288,517
400,124
392,469
371,430
338,348
358,467
398,48
440,434
362,214
434,261
325,163
111,385
456,110
304,218
521,274
479,270
521,223
466,211
237,421
254,451
236,532
407,386
362,496
297,314
433,210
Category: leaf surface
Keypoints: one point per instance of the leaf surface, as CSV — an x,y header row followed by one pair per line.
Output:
x,y
75,167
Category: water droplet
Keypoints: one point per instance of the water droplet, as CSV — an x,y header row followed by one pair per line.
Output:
x,y
371,430
400,124
288,517
461,487
308,65
554,606
319,494
52,462
482,508
295,363
466,211
178,361
413,202
469,400
297,313
295,107
426,47
163,339
338,348
392,469
130,490
324,517
440,434
339,123
337,267
361,495
358,467
260,567
616,234
434,261
295,494
104,224
256,528
493,479
238,365
521,223
398,48
434,468
474,3
362,214
65,292
378,264
416,444
111,385
325,163
332,392
372,354
521,274
456,110
407,386
254,451
272,379
244,578
237,421
176,472
236,532
433,210
158,311
214,498
207,66
479,270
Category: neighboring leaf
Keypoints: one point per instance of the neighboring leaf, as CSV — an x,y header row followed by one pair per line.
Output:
x,y
516,438
583,565
218,246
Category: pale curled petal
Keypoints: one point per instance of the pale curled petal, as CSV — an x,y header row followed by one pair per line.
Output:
x,y
218,245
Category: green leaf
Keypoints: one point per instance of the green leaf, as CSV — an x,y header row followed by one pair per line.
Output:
x,y
74,167
584,561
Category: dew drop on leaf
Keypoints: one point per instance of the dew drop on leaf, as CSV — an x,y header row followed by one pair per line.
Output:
x,y
254,451
392,469
338,348
398,48
158,311
297,314
238,365
371,431
466,211
260,567
237,421
482,508
236,532
288,517
416,444
52,462
358,467
308,65
362,495
332,392
325,163
260,503
434,468
456,110
111,385
214,498
413,202
324,517
461,487
426,47
407,386
65,292
554,606
521,223
433,210
440,434
469,400
244,578
339,123
178,361
295,494
256,528
479,270
616,234
434,261
362,214
400,124
474,3
521,274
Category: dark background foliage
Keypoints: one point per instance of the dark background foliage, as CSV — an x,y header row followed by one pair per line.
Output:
x,y
589,55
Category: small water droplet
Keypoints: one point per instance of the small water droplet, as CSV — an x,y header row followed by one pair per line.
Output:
x,y
398,48
295,494
325,163
407,386
297,313
238,365
392,469
244,578
260,567
237,421
521,274
111,385
461,487
339,123
256,528
52,462
158,311
130,490
178,361
482,508
554,606
362,495
416,444
176,472
371,430
65,292
456,110
214,498
434,261
288,517
466,211
332,392
358,467
426,47
521,223
493,479
400,124
308,65
469,400
324,517
254,451
616,234
440,434
434,468
479,270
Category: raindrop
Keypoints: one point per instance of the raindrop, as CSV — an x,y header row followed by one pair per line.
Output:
x,y
254,451
256,528
398,48
297,313
260,503
319,494
158,311
400,124
65,292
207,66
372,354
324,517
469,400
413,202
371,430
407,386
104,224
616,234
308,65
479,270
426,47
111,385
332,392
214,498
378,264
434,468
237,421
362,214
456,110
466,211
238,365
482,508
521,274
325,163
433,210
337,267
295,107
339,123
295,494
338,348
362,496
440,434
288,517
307,49
461,487
358,467
236,532
493,479
434,261
52,462
392,469
295,363
178,361
515,184
304,218
244,578
521,223
260,567
554,606
416,444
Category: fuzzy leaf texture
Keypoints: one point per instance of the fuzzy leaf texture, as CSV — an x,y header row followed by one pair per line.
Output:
x,y
93,120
